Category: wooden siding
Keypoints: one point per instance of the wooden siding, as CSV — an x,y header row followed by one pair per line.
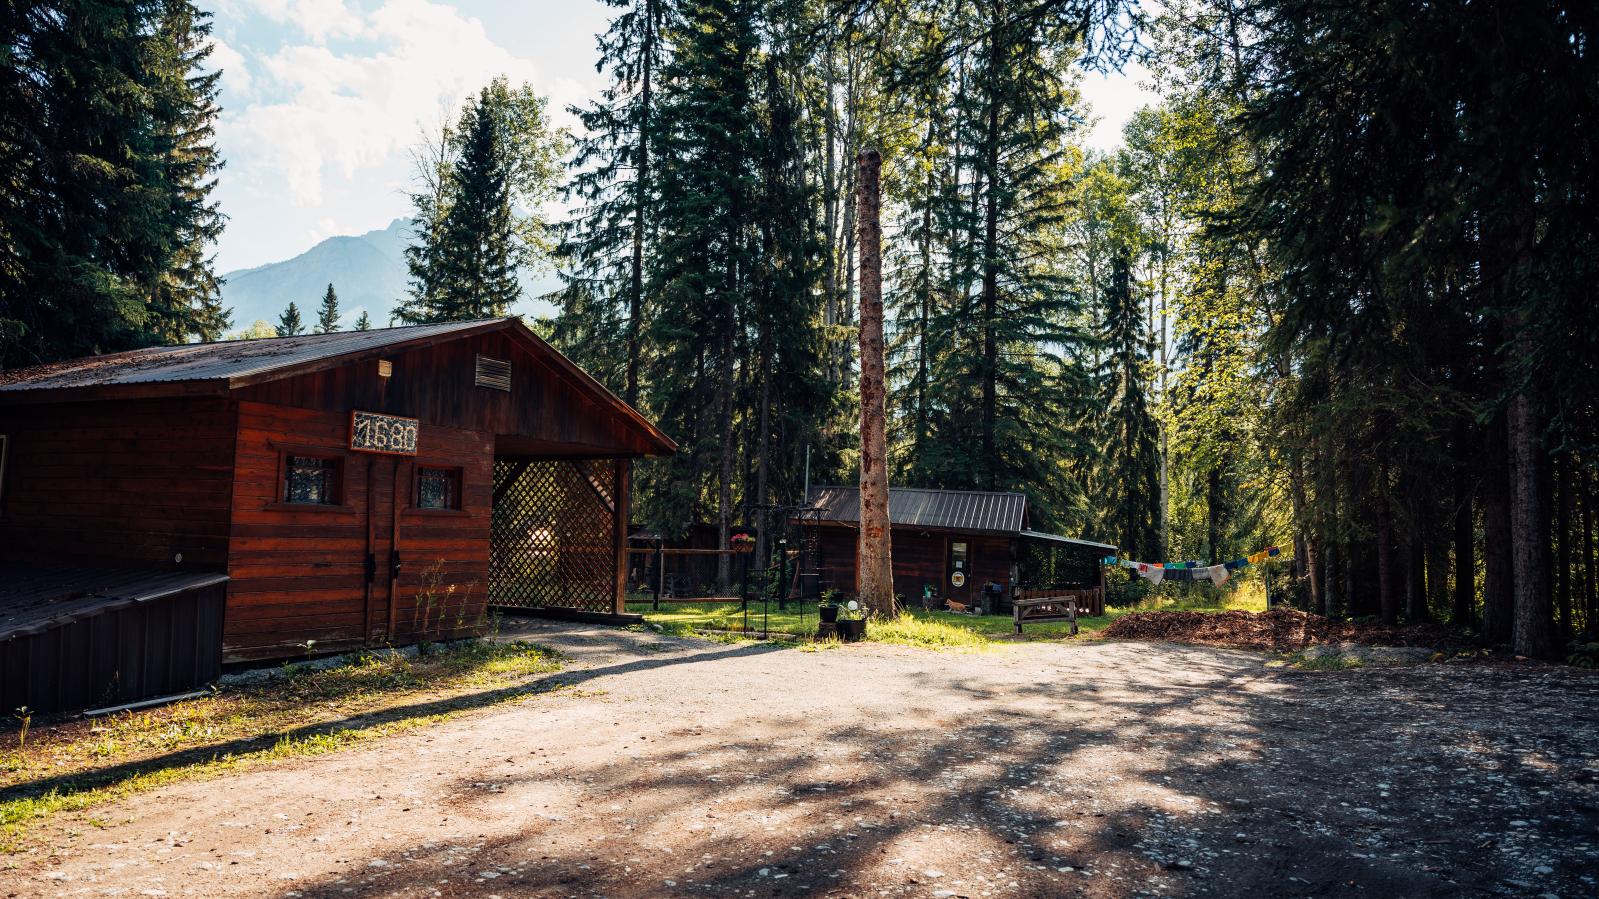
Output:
x,y
920,557
542,415
132,481
299,573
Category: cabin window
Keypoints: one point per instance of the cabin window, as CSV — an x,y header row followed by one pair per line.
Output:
x,y
438,488
311,480
957,556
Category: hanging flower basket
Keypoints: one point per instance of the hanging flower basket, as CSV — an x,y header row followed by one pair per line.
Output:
x,y
742,543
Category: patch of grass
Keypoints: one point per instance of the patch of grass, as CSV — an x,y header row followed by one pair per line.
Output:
x,y
926,629
77,764
690,618
927,632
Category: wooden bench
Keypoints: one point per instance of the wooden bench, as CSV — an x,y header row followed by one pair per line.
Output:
x,y
1052,605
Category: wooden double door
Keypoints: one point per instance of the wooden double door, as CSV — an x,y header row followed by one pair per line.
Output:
x,y
387,478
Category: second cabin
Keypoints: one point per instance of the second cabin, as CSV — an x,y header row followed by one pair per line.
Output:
x,y
948,544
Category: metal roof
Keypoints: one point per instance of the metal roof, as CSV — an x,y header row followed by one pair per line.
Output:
x,y
959,510
35,598
1056,538
221,361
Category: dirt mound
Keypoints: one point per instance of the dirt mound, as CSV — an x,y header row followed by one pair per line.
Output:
x,y
1278,629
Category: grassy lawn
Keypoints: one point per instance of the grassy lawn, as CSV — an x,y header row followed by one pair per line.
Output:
x,y
940,630
76,764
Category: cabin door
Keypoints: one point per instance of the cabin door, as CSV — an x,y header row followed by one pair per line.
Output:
x,y
386,478
958,583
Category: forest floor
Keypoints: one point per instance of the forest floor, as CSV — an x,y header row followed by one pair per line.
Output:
x,y
680,767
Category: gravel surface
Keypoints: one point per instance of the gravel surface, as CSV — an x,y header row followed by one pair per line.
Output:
x,y
679,767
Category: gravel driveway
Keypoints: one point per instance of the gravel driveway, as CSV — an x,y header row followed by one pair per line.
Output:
x,y
679,767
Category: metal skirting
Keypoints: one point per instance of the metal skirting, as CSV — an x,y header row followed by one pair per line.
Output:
x,y
114,641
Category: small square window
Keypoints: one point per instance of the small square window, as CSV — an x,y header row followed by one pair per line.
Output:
x,y
438,488
311,480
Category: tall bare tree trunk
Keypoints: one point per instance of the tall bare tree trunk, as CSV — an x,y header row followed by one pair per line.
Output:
x,y
876,586
1498,598
1465,560
1387,601
1531,633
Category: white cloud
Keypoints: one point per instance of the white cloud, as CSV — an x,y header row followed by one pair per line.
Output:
x,y
334,114
235,72
318,19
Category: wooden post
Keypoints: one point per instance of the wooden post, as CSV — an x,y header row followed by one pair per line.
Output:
x,y
621,493
875,570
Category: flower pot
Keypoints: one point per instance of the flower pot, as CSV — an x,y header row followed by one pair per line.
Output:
x,y
852,631
827,613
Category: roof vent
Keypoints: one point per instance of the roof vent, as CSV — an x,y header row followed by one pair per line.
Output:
x,y
493,373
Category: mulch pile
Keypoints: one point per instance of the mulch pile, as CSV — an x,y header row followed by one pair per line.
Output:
x,y
1282,630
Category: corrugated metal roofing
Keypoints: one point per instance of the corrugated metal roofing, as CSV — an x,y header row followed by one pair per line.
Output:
x,y
962,510
217,361
34,598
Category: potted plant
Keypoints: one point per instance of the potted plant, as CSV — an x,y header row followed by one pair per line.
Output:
x,y
742,542
852,623
827,606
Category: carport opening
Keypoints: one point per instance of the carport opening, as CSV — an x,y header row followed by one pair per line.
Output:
x,y
553,540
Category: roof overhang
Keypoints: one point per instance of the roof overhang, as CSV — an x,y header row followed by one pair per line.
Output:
x,y
1056,538
547,356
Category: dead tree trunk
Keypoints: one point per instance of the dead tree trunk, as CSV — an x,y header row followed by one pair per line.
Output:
x,y
876,584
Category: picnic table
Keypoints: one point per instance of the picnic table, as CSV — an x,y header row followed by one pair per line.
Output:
x,y
1054,605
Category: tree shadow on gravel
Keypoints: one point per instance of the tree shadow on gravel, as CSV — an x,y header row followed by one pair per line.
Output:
x,y
80,781
1239,782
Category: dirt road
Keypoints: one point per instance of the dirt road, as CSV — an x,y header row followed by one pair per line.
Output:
x,y
680,768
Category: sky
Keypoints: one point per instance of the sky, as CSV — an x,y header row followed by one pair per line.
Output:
x,y
322,101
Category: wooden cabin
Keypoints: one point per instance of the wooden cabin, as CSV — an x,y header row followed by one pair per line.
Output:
x,y
949,543
355,489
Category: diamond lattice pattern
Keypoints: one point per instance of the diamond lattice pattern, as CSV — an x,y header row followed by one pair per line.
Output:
x,y
553,541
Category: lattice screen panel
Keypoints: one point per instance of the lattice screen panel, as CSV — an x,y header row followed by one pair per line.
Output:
x,y
553,542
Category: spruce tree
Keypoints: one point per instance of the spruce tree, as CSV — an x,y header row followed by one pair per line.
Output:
x,y
478,212
1010,378
1130,494
289,323
327,318
613,188
705,256
105,216
364,323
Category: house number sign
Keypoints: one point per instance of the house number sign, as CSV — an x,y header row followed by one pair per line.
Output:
x,y
373,432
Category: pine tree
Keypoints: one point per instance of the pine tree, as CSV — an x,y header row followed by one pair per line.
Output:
x,y
327,319
289,323
483,185
364,323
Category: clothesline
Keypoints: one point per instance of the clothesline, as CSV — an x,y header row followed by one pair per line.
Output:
x,y
1155,572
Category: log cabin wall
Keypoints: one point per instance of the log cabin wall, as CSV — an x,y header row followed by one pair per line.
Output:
x,y
920,557
299,572
133,481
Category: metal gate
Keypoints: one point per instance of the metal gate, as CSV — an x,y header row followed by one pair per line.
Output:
x,y
553,539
